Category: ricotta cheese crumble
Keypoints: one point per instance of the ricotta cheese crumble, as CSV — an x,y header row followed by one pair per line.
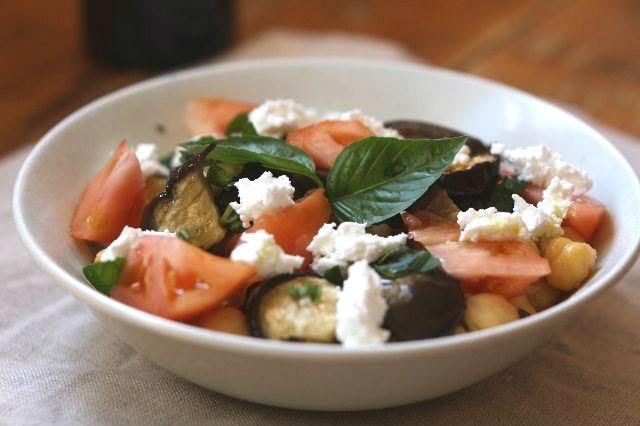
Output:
x,y
261,250
149,158
462,157
526,221
279,116
361,308
539,165
262,195
348,243
127,238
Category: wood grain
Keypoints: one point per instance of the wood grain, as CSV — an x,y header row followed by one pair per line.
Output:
x,y
582,52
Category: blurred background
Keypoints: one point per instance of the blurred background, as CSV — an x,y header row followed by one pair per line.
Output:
x,y
59,54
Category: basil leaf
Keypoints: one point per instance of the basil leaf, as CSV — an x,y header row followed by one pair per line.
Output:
x,y
402,261
501,196
195,146
231,220
269,152
241,126
376,178
104,275
222,174
334,275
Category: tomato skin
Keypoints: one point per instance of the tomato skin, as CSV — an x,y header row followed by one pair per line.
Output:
x,y
506,268
293,227
111,200
173,279
206,116
325,140
585,216
532,194
428,228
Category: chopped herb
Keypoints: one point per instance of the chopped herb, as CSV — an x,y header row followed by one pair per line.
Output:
x,y
402,261
185,234
334,275
231,220
241,126
223,174
104,275
501,196
312,291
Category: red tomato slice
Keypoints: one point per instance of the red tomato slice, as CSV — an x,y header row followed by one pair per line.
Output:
x,y
177,280
323,141
428,228
206,116
293,227
113,199
532,194
585,216
507,268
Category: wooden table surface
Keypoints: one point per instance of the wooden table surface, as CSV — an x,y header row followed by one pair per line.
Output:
x,y
582,52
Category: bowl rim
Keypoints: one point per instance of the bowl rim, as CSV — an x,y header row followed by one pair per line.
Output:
x,y
312,351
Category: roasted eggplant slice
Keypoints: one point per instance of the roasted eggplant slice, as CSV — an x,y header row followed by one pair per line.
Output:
x,y
298,307
413,129
422,306
186,206
476,176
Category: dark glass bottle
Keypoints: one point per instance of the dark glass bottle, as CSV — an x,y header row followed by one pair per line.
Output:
x,y
157,34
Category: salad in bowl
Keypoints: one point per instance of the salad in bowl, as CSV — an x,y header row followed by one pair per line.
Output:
x,y
283,222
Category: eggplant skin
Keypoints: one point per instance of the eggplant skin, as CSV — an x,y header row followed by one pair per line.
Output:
x,y
414,129
274,314
187,203
422,306
477,179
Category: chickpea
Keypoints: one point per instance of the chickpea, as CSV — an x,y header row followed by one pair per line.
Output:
x,y
522,304
570,262
542,296
568,232
487,310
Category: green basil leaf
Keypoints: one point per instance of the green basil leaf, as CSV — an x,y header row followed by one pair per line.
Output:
x,y
231,220
223,174
334,275
104,275
241,126
195,146
402,261
269,152
376,178
501,196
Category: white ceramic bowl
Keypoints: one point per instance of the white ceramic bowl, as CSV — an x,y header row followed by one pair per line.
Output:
x,y
317,376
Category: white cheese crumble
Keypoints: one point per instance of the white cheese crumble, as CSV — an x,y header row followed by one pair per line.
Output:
x,y
348,243
490,225
462,157
177,156
539,165
149,158
376,126
361,308
262,195
279,116
260,249
526,221
128,237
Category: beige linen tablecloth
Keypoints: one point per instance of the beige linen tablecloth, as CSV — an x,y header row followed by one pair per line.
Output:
x,y
59,365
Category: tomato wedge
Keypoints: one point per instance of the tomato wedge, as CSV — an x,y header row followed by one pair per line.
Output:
x,y
206,116
113,199
428,228
506,268
585,216
323,141
293,227
177,280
